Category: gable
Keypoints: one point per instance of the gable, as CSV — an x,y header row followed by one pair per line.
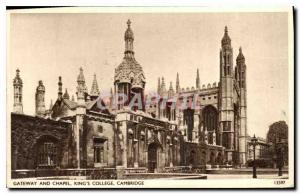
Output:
x,y
96,108
62,109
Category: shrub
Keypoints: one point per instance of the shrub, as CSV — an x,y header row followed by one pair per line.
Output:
x,y
261,163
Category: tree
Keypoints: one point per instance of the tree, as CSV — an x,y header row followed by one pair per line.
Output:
x,y
277,138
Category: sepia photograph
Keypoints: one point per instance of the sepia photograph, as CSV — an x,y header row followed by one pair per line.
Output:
x,y
150,97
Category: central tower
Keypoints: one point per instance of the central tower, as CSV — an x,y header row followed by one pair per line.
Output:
x,y
226,116
129,77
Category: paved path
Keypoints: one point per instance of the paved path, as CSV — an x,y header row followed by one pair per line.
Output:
x,y
245,176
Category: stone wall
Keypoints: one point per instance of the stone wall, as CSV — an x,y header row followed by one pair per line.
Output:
x,y
197,155
192,154
26,134
99,129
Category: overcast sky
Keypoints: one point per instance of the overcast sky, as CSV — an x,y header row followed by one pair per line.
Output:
x,y
45,46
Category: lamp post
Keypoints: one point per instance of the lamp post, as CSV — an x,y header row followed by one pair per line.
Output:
x,y
254,143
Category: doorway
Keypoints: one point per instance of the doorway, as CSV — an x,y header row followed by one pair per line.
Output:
x,y
152,157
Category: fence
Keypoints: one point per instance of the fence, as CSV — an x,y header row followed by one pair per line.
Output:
x,y
103,173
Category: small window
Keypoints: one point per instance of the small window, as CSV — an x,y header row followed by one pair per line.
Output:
x,y
209,98
98,154
99,150
215,97
203,98
100,129
228,70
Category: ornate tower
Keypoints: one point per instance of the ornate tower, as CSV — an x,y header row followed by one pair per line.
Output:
x,y
198,80
171,91
177,84
80,112
129,38
18,86
129,76
81,87
40,108
163,89
95,89
241,75
59,96
226,114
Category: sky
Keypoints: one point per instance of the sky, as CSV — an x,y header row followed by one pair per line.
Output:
x,y
45,46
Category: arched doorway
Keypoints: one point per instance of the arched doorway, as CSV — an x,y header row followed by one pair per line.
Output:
x,y
212,158
153,151
192,158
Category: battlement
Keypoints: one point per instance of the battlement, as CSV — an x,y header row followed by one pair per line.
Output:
x,y
209,87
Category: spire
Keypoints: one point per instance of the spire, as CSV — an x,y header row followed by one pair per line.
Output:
x,y
51,105
111,92
171,87
240,58
158,86
128,32
198,80
171,90
241,69
129,37
95,88
177,84
80,77
226,62
111,97
66,95
59,88
226,41
163,85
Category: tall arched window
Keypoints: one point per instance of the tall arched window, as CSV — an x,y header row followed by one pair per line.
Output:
x,y
210,122
188,115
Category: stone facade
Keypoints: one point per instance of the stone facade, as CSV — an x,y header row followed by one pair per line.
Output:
x,y
30,134
221,116
149,137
